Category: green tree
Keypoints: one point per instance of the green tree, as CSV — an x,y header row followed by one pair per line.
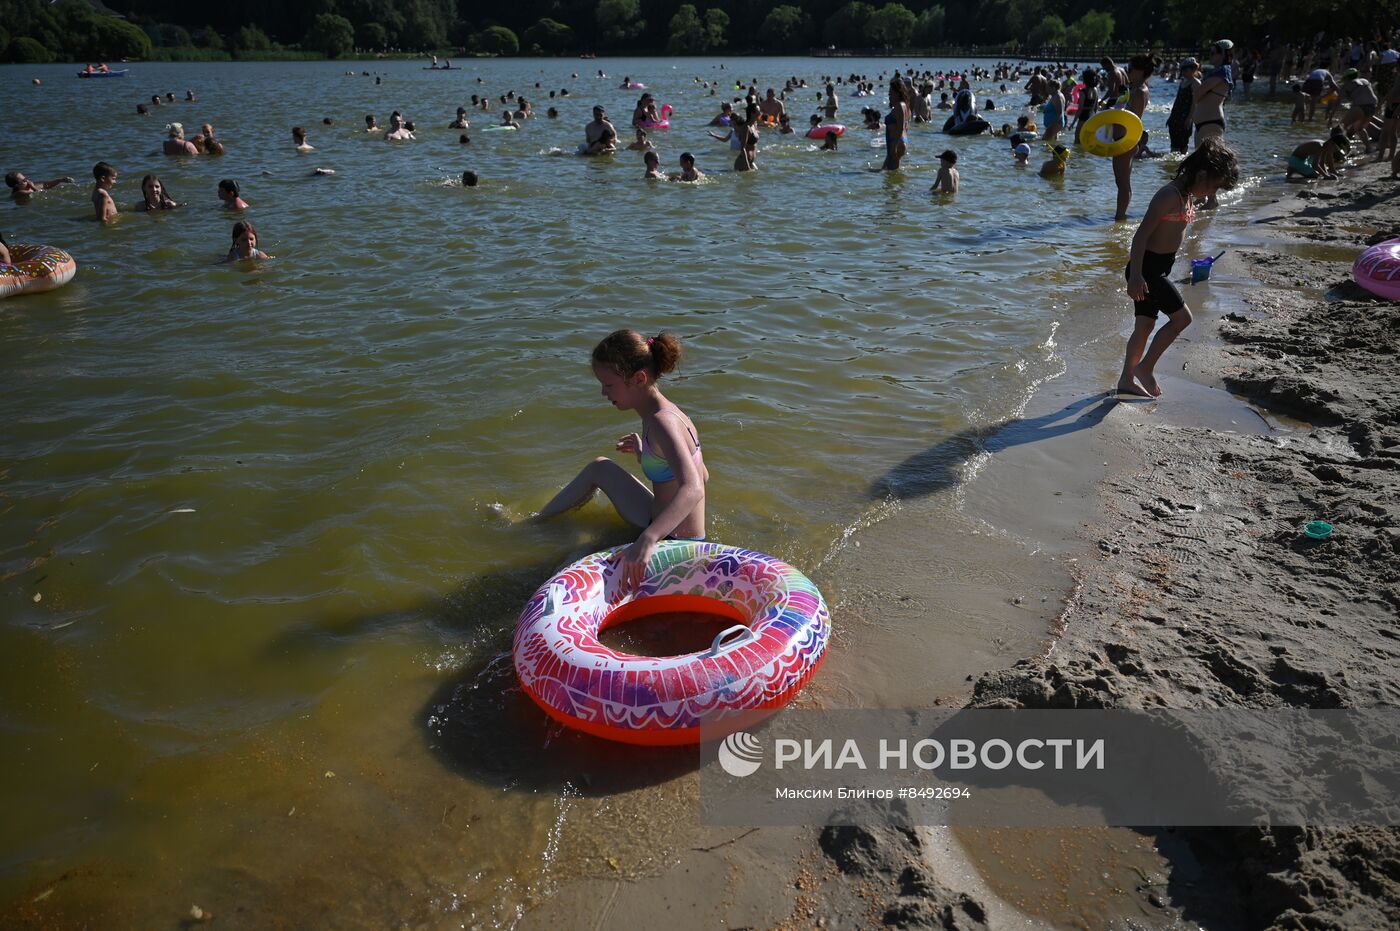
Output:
x,y
116,38
717,27
621,20
252,39
847,25
928,27
1049,31
331,34
892,24
786,28
29,51
495,40
549,35
687,32
209,38
1093,29
173,36
371,37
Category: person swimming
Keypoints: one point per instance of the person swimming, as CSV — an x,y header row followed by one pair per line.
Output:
x,y
245,243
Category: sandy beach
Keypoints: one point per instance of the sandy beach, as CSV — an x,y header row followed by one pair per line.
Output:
x,y
1198,590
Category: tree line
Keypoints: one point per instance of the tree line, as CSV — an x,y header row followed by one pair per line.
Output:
x,y
40,30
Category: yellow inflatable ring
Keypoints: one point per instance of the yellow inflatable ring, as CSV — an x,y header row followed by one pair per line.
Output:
x,y
1096,136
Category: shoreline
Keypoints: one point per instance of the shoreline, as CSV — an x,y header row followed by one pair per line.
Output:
x,y
1188,596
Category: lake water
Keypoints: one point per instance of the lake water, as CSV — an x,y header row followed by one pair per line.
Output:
x,y
258,559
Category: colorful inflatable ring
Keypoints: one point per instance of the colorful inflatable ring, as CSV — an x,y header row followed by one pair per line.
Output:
x,y
1378,269
35,268
663,123
634,86
1073,107
819,132
1096,135
777,643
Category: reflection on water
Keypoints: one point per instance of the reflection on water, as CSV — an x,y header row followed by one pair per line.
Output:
x,y
258,550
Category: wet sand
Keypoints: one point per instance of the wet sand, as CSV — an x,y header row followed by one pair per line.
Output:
x,y
1198,589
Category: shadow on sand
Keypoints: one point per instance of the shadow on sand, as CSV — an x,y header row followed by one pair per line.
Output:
x,y
940,466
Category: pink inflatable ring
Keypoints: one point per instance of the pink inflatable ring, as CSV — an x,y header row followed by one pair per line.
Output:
x,y
819,132
778,640
1378,269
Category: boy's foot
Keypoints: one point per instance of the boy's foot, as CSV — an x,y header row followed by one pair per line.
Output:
x,y
1131,387
1144,375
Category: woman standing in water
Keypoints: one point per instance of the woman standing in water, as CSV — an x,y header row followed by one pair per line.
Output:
x,y
1140,68
629,366
896,125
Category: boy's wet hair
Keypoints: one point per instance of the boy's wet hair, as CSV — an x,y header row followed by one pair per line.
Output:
x,y
12,179
628,352
102,170
469,179
1214,159
230,185
687,157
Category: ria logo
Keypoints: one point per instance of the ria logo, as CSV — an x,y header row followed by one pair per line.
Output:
x,y
740,754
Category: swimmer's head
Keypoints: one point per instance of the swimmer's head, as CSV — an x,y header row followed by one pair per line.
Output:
x,y
175,130
552,113
408,126
469,179
461,111
949,156
13,179
687,160
328,122
103,172
625,353
1144,64
599,113
142,109
815,121
228,189
245,235
298,135
651,159
369,119
464,139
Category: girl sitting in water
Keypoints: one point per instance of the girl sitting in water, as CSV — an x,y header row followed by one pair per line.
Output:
x,y
245,243
154,195
628,365
1211,168
370,125
299,137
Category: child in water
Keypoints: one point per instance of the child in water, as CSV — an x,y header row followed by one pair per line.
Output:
x,y
629,366
105,176
299,137
1020,150
830,144
245,243
653,163
1055,166
154,196
688,170
1211,168
228,193
948,178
